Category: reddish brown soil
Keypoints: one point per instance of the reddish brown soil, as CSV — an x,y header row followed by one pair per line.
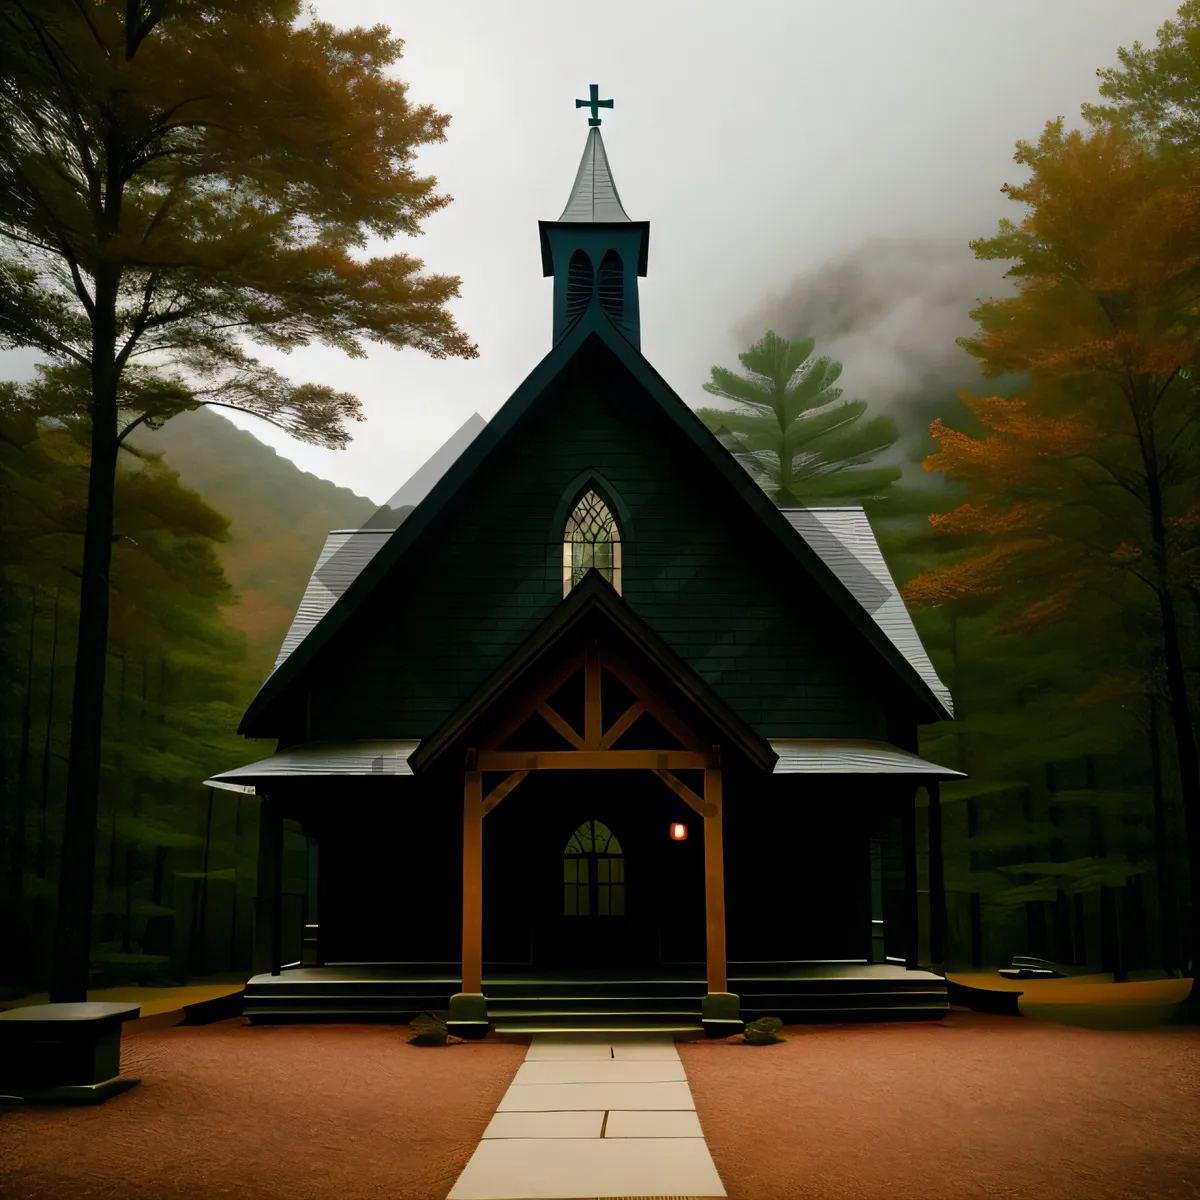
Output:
x,y
270,1113
972,1106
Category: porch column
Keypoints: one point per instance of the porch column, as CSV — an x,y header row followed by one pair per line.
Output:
x,y
878,942
720,1010
468,1008
912,933
937,878
268,902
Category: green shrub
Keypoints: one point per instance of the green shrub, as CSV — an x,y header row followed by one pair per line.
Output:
x,y
763,1032
429,1029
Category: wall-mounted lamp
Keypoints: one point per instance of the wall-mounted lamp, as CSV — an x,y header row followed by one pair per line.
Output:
x,y
678,831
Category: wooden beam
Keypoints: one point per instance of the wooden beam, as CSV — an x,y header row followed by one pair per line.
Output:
x,y
593,719
561,726
937,878
654,703
714,884
684,792
472,879
522,700
501,790
592,760
622,724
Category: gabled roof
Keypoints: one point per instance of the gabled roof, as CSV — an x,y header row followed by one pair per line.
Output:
x,y
592,331
844,539
594,595
594,195
342,558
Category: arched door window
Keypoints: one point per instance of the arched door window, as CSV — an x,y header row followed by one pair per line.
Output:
x,y
593,873
591,539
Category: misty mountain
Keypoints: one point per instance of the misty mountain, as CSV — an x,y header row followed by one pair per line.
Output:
x,y
890,311
279,518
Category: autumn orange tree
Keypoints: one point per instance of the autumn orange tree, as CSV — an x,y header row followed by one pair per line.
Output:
x,y
1083,488
179,180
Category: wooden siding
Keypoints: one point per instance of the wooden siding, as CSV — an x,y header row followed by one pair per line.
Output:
x,y
696,567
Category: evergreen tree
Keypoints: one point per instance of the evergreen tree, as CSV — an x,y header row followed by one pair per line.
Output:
x,y
792,430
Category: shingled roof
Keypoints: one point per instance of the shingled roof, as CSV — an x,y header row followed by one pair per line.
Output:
x,y
594,196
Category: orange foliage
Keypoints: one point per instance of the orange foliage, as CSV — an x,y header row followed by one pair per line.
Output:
x,y
981,574
1107,267
1019,438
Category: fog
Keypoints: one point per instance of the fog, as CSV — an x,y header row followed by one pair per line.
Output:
x,y
808,166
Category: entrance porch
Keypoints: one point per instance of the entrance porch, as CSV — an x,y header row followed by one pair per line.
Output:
x,y
524,1000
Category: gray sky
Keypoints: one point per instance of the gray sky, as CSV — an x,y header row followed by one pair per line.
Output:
x,y
770,143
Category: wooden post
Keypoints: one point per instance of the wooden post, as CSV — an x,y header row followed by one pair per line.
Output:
x,y
268,901
714,882
472,881
878,944
937,878
908,833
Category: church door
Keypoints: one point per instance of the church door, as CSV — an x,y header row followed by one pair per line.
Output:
x,y
593,925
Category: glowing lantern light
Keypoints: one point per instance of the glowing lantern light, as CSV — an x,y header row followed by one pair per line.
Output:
x,y
678,831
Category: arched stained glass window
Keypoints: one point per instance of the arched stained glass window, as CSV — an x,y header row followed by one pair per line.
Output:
x,y
593,873
591,539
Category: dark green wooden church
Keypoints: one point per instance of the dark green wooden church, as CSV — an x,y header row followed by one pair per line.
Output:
x,y
583,731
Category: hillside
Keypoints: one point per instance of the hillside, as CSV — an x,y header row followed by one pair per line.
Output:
x,y
279,514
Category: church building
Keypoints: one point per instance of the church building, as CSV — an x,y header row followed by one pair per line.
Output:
x,y
585,732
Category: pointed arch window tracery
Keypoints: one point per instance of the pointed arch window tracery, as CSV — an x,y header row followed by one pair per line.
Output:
x,y
591,538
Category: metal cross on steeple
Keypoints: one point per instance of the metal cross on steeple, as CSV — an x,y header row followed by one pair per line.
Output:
x,y
595,104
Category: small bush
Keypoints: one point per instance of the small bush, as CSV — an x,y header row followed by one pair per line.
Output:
x,y
763,1032
429,1029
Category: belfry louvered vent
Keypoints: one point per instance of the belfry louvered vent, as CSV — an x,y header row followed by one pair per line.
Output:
x,y
612,287
579,285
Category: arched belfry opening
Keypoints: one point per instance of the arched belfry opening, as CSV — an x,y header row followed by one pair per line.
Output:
x,y
595,229
611,286
580,285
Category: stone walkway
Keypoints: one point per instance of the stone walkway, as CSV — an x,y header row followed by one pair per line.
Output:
x,y
588,1116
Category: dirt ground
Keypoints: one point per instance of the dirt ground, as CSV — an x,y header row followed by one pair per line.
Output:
x,y
233,1112
971,1106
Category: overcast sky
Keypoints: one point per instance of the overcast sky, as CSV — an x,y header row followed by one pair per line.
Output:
x,y
766,141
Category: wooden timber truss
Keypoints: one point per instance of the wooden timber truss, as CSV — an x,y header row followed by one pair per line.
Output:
x,y
594,747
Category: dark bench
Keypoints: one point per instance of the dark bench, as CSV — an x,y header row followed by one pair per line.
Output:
x,y
63,1053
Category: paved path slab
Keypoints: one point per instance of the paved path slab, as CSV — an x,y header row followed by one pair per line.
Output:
x,y
546,1125
601,1070
588,1167
666,1124
571,1097
593,1115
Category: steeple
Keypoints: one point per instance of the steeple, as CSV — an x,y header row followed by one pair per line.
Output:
x,y
594,251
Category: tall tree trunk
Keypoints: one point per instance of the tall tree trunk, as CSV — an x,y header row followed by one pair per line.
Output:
x,y
47,741
15,898
237,844
198,943
1178,706
1164,852
77,874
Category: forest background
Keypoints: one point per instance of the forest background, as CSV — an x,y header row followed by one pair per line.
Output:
x,y
1068,840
